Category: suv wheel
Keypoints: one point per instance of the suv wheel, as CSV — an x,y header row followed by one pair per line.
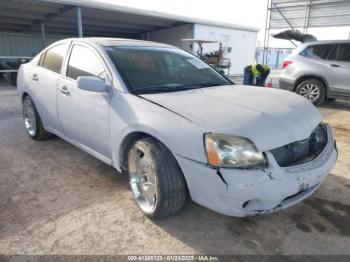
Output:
x,y
156,179
313,90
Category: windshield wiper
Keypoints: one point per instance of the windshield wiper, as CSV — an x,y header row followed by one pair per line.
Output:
x,y
164,89
214,84
154,89
201,85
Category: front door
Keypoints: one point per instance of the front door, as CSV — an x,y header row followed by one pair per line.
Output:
x,y
84,115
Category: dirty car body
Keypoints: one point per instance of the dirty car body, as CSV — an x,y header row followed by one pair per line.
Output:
x,y
242,150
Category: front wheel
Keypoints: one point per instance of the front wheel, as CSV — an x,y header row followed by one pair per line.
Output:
x,y
313,90
156,180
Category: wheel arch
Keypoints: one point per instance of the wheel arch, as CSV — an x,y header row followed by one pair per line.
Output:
x,y
128,140
312,76
131,138
24,95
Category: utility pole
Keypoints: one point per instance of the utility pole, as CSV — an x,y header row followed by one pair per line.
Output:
x,y
43,36
79,22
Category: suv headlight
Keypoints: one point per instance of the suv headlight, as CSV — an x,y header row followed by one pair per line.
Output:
x,y
232,151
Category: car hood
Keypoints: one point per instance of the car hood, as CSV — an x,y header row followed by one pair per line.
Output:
x,y
269,117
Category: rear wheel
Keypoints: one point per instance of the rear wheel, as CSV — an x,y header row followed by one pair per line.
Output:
x,y
313,90
32,120
156,180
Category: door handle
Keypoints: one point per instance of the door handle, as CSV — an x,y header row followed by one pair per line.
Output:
x,y
335,65
64,90
35,77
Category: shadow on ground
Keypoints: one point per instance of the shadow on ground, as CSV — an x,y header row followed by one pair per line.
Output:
x,y
337,104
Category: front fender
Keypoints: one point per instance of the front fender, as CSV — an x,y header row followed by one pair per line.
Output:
x,y
130,114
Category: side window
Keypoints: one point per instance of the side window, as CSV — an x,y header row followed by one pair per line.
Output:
x,y
317,51
41,60
54,58
333,54
344,53
84,62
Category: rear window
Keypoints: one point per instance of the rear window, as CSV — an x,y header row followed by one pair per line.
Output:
x,y
317,51
344,53
54,58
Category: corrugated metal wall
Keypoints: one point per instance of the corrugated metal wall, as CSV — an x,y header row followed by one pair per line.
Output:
x,y
16,44
310,13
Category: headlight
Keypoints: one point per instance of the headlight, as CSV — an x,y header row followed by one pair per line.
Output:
x,y
232,151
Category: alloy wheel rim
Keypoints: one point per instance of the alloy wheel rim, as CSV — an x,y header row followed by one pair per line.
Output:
x,y
310,91
29,117
143,179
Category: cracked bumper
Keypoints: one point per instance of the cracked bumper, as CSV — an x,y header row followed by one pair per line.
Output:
x,y
252,192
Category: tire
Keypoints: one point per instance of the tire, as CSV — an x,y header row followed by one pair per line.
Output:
x,y
32,120
313,90
156,180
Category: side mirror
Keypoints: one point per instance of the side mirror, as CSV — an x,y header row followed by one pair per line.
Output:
x,y
91,83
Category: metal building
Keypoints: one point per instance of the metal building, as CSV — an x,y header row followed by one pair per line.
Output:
x,y
26,26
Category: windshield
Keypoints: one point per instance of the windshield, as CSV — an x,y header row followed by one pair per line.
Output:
x,y
154,70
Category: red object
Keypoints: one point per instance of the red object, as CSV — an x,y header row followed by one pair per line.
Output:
x,y
287,63
269,84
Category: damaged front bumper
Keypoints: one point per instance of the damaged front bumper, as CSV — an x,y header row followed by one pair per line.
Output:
x,y
240,193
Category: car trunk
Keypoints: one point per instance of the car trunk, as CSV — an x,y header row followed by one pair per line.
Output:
x,y
295,35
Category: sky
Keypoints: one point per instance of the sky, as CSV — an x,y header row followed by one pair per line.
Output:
x,y
243,12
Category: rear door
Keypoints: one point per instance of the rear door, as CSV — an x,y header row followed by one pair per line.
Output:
x,y
44,82
84,115
340,70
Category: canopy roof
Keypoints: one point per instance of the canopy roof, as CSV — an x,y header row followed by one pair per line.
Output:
x,y
98,18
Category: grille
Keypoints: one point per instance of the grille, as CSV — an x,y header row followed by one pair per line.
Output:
x,y
302,151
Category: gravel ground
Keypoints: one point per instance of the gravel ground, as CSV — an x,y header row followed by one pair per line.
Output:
x,y
56,199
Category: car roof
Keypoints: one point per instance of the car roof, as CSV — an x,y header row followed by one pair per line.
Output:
x,y
108,41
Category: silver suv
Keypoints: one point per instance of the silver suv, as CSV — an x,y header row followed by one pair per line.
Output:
x,y
318,71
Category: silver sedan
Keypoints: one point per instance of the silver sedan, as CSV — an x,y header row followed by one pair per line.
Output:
x,y
177,127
